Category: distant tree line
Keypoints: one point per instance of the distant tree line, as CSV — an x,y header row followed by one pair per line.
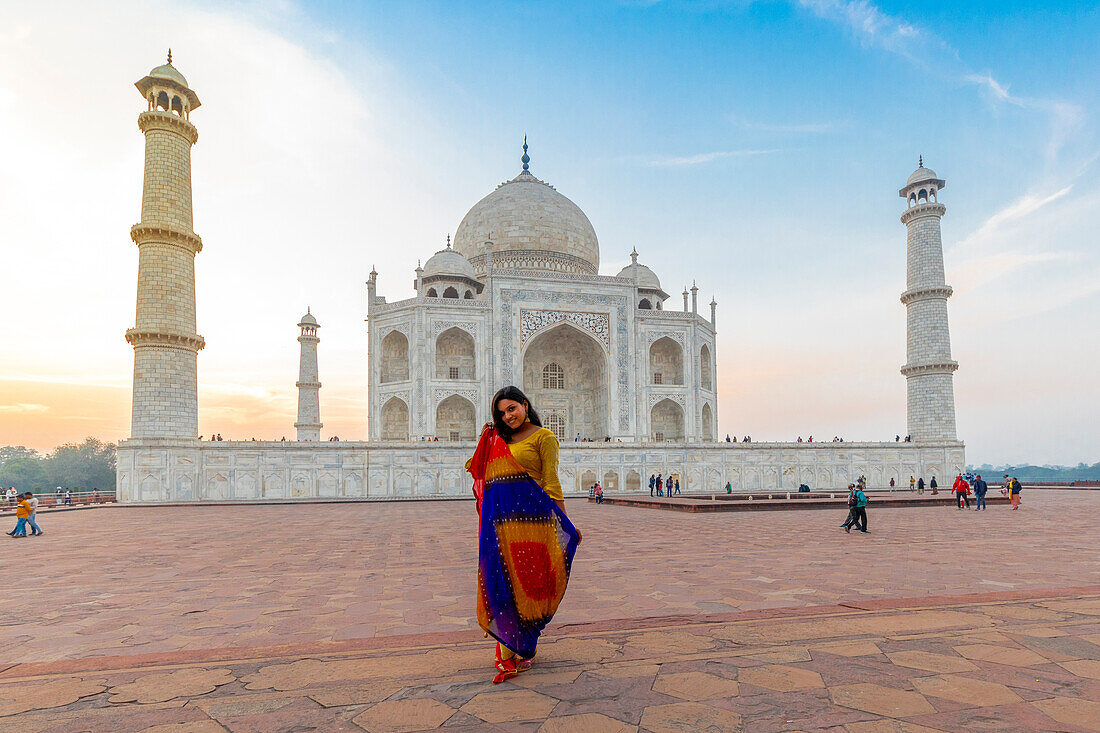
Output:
x,y
1080,472
83,466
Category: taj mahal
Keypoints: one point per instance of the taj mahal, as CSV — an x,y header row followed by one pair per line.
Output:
x,y
622,372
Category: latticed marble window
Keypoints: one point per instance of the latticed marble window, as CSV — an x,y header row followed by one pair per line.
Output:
x,y
452,436
657,378
453,372
555,422
659,436
553,376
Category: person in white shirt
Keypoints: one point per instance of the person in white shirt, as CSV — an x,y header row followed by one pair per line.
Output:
x,y
11,496
35,529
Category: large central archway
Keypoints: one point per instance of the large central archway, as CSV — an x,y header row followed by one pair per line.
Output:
x,y
565,376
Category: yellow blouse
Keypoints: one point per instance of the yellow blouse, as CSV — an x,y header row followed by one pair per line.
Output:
x,y
538,454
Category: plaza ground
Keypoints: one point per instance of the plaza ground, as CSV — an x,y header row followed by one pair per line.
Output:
x,y
359,617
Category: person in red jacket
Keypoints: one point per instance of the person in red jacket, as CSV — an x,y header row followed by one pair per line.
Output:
x,y
962,490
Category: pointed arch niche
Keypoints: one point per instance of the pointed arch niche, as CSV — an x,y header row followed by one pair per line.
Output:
x,y
579,391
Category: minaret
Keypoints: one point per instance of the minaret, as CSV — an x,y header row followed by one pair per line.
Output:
x,y
166,345
309,402
928,369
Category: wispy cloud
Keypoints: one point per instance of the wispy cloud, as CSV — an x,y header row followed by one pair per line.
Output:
x,y
678,161
1018,209
1065,117
23,408
803,127
876,28
870,24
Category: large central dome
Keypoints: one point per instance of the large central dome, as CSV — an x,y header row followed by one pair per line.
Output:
x,y
529,226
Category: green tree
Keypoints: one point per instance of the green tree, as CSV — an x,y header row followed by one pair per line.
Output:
x,y
86,465
25,473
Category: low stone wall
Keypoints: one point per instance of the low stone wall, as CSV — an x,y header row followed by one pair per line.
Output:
x,y
173,470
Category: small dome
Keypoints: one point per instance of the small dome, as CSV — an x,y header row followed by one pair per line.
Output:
x,y
308,320
167,71
646,277
449,262
921,174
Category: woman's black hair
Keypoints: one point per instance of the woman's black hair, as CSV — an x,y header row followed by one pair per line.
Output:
x,y
516,394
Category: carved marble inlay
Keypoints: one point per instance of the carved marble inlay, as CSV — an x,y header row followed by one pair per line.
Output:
x,y
473,395
385,395
439,327
677,336
654,398
533,321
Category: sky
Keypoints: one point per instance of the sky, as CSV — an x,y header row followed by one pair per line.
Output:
x,y
755,148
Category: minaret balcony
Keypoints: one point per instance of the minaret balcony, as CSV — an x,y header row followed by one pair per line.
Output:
x,y
144,233
143,337
160,120
940,367
930,208
931,292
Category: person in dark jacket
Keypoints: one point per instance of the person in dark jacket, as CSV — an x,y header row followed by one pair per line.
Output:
x,y
934,486
1014,487
980,487
857,515
920,485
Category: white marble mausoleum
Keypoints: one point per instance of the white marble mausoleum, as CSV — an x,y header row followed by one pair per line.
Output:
x,y
626,381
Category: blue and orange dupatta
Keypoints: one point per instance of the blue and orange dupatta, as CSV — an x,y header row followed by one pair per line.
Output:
x,y
525,548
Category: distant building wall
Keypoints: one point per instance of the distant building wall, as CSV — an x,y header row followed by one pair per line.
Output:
x,y
166,470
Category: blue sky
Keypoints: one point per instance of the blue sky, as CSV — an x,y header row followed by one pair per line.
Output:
x,y
755,147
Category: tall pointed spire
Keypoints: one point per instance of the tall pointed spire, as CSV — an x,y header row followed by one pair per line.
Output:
x,y
526,158
169,56
920,161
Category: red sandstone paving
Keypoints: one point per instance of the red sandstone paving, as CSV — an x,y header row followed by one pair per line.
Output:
x,y
121,580
581,678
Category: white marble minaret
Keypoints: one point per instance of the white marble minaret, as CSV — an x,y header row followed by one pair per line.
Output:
x,y
929,368
166,345
309,401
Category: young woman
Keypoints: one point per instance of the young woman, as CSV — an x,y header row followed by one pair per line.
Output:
x,y
523,565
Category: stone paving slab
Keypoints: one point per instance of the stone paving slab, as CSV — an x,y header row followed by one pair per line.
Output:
x,y
121,581
953,665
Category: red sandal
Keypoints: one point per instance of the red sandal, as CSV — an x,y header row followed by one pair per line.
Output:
x,y
505,667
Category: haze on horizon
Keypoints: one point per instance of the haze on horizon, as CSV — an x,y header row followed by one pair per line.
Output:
x,y
755,146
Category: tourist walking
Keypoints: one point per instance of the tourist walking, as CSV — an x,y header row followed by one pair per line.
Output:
x,y
1013,486
729,488
933,485
961,489
920,485
912,484
980,487
857,509
659,485
652,483
12,500
891,484
515,470
68,497
33,501
599,494
22,512
677,486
